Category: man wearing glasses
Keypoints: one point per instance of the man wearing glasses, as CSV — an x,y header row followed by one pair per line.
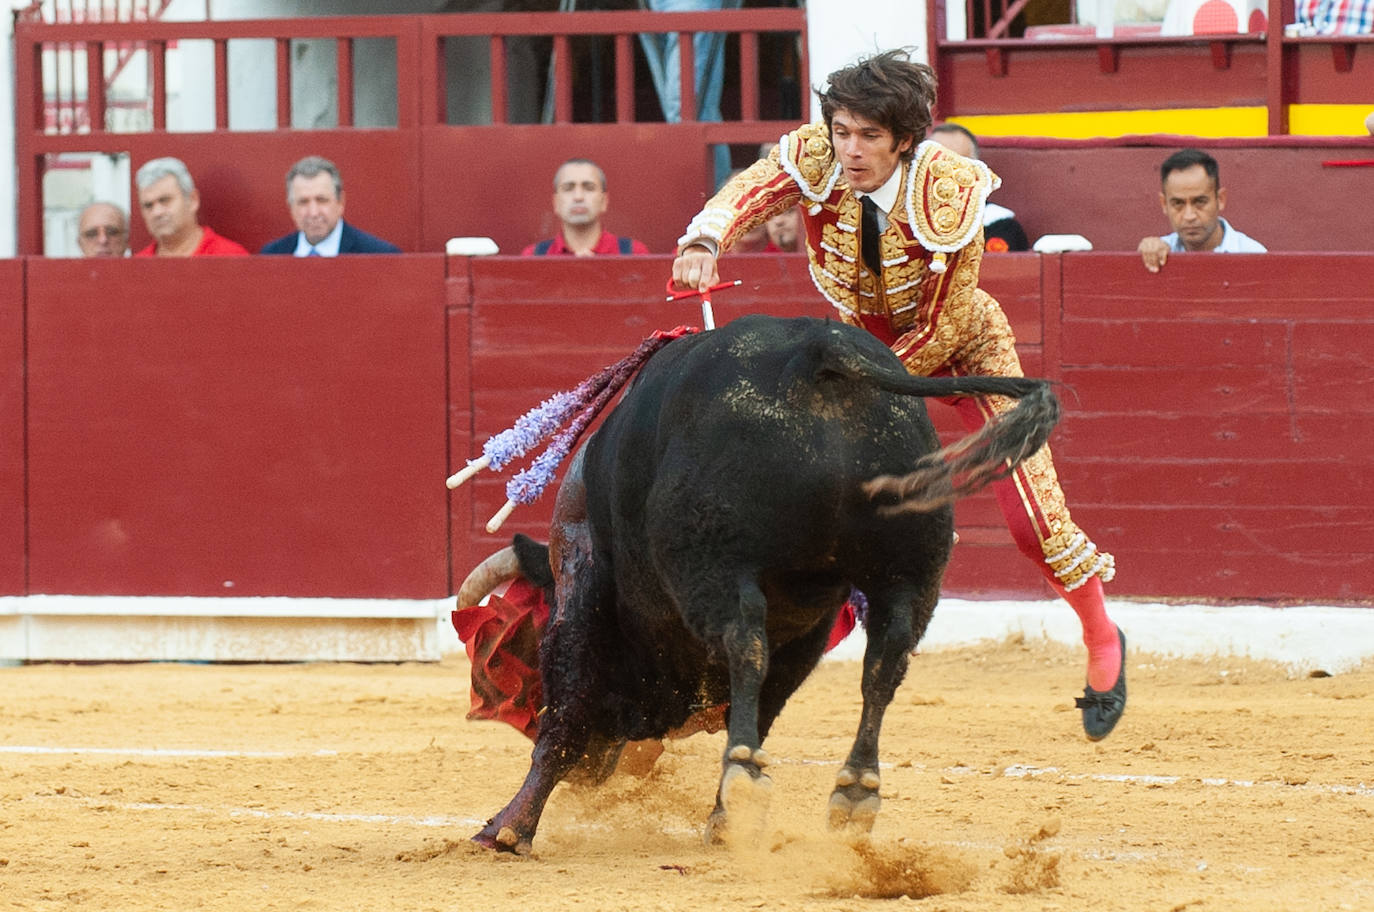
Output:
x,y
103,231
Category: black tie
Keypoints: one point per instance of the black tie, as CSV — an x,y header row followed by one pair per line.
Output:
x,y
869,233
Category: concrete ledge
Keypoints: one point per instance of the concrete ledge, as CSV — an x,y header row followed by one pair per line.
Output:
x,y
75,628
1303,638
127,629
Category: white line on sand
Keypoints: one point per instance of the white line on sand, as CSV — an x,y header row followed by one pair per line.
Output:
x,y
1015,771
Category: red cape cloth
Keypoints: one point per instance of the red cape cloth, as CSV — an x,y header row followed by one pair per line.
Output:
x,y
502,642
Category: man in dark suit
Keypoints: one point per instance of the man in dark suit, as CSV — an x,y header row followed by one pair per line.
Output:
x,y
315,195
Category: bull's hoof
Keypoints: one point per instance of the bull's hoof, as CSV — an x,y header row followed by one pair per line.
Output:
x,y
741,753
503,839
739,816
855,802
1103,708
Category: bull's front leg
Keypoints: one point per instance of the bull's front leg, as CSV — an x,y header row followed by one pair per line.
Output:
x,y
855,801
745,789
512,829
571,677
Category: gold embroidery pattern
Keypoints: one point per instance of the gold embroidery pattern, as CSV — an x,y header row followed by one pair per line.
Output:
x,y
810,153
956,324
990,350
727,217
845,243
956,189
1075,560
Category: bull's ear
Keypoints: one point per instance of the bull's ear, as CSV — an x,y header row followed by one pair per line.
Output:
x,y
534,560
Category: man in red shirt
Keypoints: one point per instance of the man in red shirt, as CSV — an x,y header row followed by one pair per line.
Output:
x,y
579,201
170,204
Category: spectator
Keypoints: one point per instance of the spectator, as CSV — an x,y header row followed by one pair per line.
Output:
x,y
708,52
102,231
579,201
1001,231
1192,198
781,233
785,232
1334,17
171,205
315,196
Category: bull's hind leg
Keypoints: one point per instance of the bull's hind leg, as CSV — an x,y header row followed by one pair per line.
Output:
x,y
896,619
745,789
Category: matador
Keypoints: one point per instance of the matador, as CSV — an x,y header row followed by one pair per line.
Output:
x,y
894,241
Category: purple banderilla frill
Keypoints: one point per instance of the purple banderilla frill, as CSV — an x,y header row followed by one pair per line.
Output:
x,y
582,405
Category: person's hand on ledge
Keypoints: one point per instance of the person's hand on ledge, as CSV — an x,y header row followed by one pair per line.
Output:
x,y
1154,252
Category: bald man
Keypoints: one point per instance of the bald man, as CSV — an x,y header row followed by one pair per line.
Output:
x,y
102,231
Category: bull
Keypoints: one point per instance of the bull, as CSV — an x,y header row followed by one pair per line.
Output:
x,y
705,537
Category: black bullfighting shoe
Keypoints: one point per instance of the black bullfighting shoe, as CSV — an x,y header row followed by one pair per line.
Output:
x,y
1102,708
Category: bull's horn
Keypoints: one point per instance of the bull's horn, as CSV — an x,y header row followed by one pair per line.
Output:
x,y
499,568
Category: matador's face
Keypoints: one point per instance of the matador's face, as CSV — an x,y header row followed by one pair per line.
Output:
x,y
866,150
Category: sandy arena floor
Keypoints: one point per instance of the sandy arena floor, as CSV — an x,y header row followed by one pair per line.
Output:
x,y
1228,786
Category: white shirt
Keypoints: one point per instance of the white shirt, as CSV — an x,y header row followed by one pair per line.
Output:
x,y
328,247
885,197
1232,241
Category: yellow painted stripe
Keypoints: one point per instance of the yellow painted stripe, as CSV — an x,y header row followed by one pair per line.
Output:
x,y
1329,119
1303,120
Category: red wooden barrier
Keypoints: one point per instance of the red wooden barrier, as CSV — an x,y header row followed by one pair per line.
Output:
x,y
1221,438
12,554
237,426
1001,75
286,426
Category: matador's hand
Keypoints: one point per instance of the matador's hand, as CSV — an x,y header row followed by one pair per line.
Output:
x,y
1154,252
695,268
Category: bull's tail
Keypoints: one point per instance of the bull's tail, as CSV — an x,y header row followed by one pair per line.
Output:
x,y
979,459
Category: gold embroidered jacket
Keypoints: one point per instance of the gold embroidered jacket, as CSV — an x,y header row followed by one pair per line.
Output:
x,y
924,303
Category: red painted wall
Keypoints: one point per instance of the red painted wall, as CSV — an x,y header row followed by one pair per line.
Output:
x,y
286,426
237,426
1222,440
12,557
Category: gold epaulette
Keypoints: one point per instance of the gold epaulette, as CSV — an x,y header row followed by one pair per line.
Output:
x,y
808,158
945,196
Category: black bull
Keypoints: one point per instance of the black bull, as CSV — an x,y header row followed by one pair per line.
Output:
x,y
705,537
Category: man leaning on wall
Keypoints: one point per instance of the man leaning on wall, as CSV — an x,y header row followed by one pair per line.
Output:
x,y
1193,199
